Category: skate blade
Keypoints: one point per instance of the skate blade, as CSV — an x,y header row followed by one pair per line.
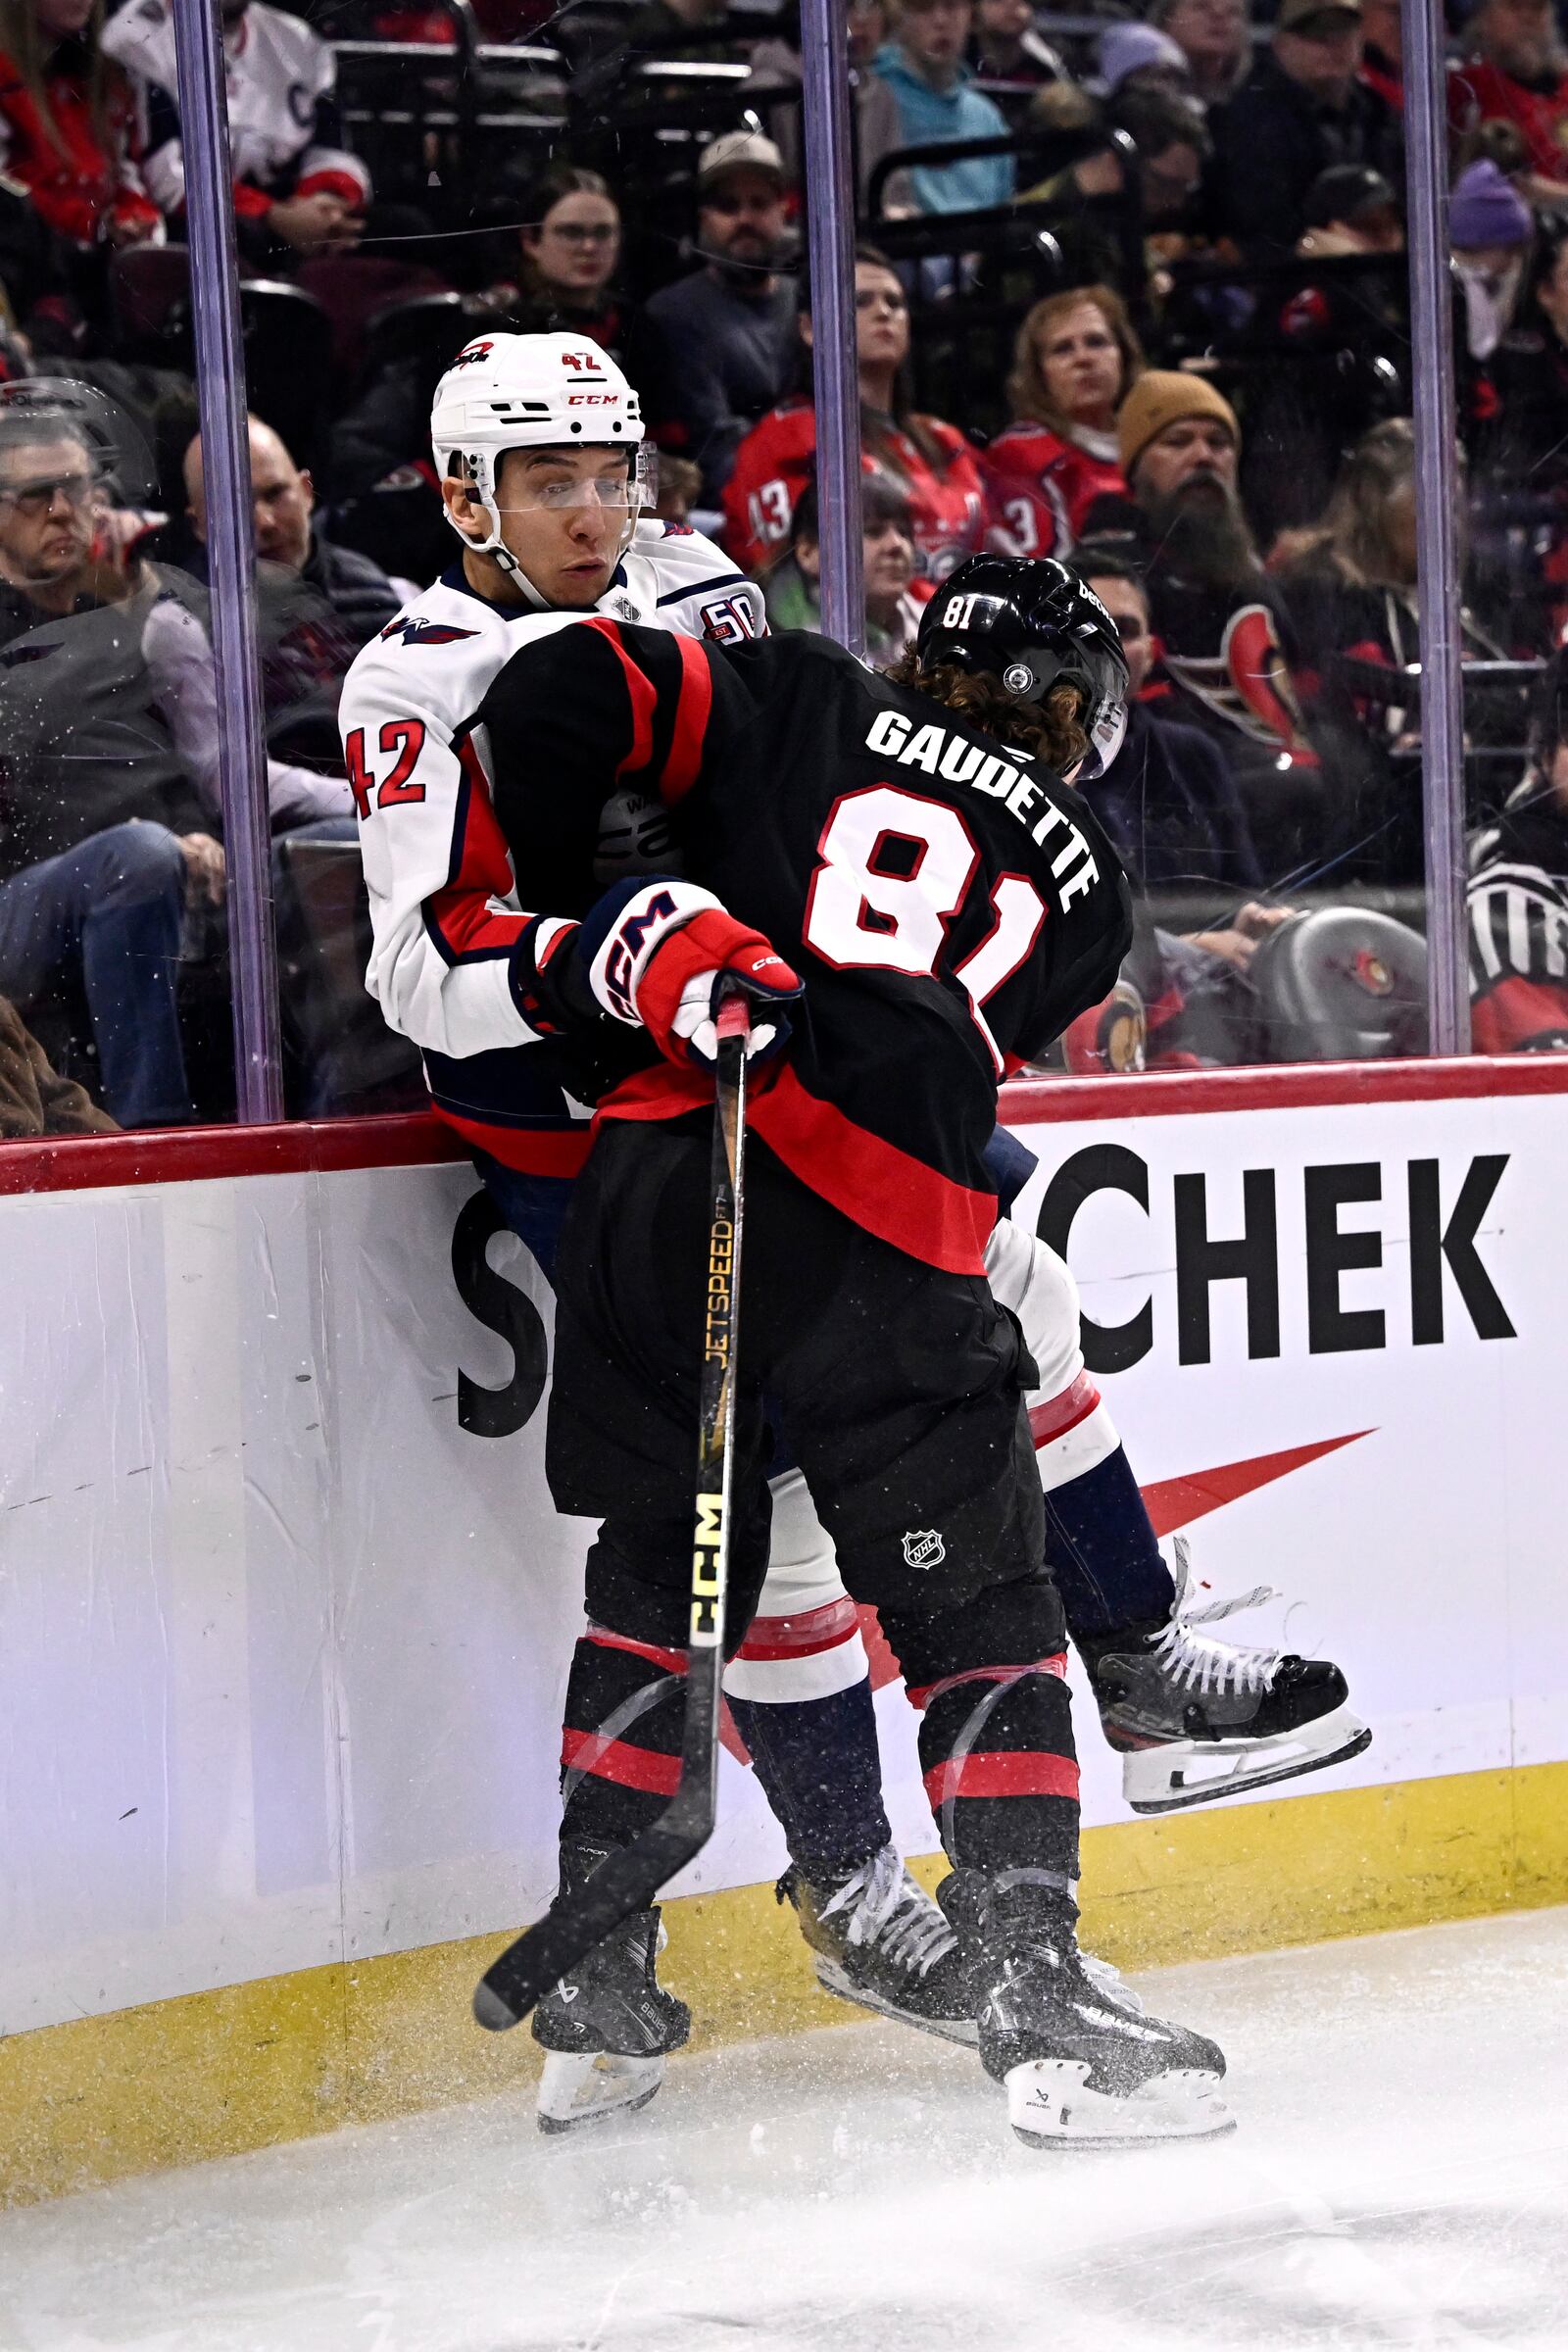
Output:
x,y
576,2090
833,1979
1181,1773
1050,2106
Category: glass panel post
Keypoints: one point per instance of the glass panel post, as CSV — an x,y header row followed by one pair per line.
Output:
x,y
830,199
225,458
1437,523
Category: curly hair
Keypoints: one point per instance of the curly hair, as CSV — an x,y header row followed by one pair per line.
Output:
x,y
1051,730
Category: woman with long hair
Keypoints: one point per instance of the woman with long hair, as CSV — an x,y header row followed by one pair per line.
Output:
x,y
1074,362
65,116
929,462
568,253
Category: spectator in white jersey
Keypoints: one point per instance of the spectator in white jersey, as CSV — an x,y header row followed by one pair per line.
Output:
x,y
298,191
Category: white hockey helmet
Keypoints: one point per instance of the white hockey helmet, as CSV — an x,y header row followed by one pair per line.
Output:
x,y
530,392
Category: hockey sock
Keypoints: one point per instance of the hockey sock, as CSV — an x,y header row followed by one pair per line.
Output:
x,y
821,1773
1103,1551
1001,1772
620,1737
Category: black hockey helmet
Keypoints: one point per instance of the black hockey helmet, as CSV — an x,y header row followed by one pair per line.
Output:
x,y
1032,626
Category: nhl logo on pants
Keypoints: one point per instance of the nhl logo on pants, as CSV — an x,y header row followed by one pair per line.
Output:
x,y
923,1547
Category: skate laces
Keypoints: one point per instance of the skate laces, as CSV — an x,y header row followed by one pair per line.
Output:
x,y
1197,1661
886,1909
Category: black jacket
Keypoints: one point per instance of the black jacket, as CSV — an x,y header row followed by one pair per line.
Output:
x,y
1171,808
1271,142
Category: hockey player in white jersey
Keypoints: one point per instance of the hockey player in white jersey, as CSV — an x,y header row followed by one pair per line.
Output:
x,y
538,440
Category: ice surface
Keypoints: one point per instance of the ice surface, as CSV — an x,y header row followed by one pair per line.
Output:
x,y
1400,2177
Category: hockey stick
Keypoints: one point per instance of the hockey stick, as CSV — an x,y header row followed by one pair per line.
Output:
x,y
629,1879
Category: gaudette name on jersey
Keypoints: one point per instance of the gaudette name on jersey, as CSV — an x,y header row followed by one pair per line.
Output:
x,y
959,761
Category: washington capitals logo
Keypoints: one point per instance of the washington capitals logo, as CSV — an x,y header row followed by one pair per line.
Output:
x,y
415,631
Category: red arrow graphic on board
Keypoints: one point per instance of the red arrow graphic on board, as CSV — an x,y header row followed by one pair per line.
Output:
x,y
1172,1503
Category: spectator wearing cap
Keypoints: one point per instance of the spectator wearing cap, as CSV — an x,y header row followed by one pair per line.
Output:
x,y
923,66
1517,72
1218,617
1490,228
929,462
1350,209
722,341
1140,57
1300,111
894,597
1075,359
1213,37
66,124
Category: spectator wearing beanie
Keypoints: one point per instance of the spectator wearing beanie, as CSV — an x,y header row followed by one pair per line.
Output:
x,y
1490,228
1219,621
1140,57
1518,73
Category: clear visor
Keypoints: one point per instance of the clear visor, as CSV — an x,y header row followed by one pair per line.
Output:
x,y
624,492
1106,735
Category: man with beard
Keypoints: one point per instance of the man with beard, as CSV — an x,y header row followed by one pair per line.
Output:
x,y
1518,73
1219,621
722,339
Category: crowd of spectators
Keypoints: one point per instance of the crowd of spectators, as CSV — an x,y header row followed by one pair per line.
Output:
x,y
1130,291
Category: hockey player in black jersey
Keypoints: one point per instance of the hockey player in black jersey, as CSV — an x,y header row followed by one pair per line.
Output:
x,y
908,855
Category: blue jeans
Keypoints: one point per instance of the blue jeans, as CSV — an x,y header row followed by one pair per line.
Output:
x,y
111,911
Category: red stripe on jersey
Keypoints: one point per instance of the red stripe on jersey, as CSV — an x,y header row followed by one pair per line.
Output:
x,y
1516,1010
673,1661
921,1698
691,722
884,1191
1062,1412
531,1151
466,922
613,1760
804,1637
1024,1773
640,693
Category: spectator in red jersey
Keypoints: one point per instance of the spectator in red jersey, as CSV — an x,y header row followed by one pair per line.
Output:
x,y
1075,360
929,462
1518,73
65,124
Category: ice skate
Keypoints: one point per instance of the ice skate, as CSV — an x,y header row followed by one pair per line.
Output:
x,y
1083,2063
1195,1718
879,1940
607,2026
